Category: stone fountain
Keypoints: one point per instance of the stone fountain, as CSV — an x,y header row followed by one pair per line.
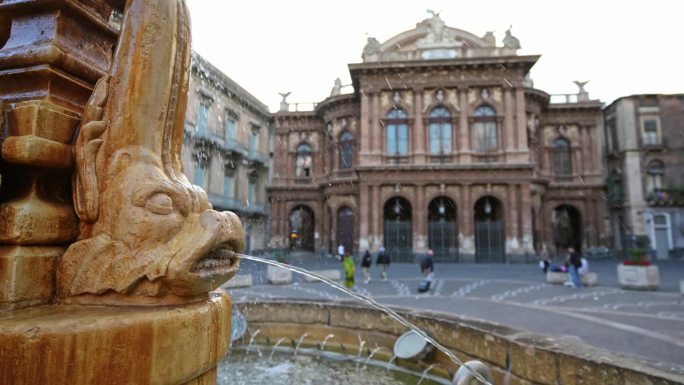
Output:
x,y
108,255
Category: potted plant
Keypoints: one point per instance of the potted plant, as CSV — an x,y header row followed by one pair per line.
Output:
x,y
637,272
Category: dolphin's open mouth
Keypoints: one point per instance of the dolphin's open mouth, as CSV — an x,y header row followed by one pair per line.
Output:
x,y
220,257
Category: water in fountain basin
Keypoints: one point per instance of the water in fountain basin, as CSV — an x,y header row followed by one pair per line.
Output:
x,y
374,305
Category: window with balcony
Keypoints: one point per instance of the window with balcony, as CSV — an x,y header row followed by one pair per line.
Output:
x,y
304,161
440,131
230,128
654,177
562,157
484,130
346,150
649,127
397,132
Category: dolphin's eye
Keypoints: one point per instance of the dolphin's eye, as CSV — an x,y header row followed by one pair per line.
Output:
x,y
159,203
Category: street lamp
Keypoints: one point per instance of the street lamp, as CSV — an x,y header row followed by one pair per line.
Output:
x,y
397,207
441,208
487,207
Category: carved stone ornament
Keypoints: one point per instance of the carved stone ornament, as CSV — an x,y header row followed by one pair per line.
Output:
x,y
145,230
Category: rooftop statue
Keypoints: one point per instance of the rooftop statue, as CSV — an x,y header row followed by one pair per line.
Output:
x,y
437,26
145,231
337,88
372,47
581,85
510,41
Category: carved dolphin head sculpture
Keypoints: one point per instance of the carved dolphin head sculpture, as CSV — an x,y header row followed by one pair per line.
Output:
x,y
147,234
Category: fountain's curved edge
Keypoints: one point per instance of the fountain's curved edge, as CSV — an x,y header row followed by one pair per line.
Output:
x,y
512,354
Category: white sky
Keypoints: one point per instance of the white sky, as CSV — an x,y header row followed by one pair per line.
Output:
x,y
623,47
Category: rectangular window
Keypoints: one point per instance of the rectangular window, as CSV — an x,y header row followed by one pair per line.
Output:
x,y
434,139
392,140
446,138
228,188
402,139
230,128
650,130
251,192
202,118
200,177
252,143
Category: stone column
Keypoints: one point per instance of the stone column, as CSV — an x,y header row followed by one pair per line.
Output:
x,y
467,218
509,138
377,142
418,127
526,215
420,220
377,217
521,125
463,128
364,130
43,95
364,215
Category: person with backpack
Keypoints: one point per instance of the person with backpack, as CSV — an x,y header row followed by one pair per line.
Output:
x,y
383,261
427,268
365,265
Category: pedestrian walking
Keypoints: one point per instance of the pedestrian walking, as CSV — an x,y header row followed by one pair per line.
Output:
x,y
544,259
574,262
340,252
365,265
349,270
427,268
383,261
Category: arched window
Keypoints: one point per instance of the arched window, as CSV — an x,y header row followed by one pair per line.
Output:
x,y
562,157
346,152
655,171
440,131
303,167
397,132
484,130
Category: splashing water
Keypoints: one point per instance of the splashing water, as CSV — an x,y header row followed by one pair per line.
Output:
x,y
280,341
299,342
370,356
329,336
374,305
425,372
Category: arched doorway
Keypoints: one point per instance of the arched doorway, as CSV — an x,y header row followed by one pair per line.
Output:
x,y
443,229
398,235
489,231
301,228
345,228
566,222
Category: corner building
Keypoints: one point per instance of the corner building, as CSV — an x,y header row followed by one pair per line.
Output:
x,y
442,144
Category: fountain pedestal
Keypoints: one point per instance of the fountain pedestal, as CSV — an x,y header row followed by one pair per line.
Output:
x,y
76,344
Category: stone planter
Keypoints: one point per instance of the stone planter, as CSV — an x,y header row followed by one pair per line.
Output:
x,y
278,275
555,277
638,277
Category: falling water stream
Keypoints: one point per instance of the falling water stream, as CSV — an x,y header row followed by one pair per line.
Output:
x,y
374,305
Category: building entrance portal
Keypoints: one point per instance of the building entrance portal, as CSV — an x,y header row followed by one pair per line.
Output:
x,y
345,228
443,230
398,235
567,228
489,231
302,228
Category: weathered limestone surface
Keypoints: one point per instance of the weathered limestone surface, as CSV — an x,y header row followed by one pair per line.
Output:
x,y
71,344
108,255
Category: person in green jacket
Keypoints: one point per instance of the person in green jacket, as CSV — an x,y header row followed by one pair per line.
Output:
x,y
349,270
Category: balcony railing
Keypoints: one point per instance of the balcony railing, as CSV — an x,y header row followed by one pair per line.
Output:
x,y
441,159
224,202
257,157
666,197
486,158
255,208
234,146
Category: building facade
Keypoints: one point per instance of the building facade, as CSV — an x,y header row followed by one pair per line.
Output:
x,y
227,148
645,180
443,143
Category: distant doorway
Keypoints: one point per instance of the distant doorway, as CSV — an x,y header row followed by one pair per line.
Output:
x,y
398,236
345,228
443,229
302,228
566,222
489,231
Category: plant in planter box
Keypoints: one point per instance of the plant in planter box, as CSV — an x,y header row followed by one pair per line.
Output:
x,y
637,272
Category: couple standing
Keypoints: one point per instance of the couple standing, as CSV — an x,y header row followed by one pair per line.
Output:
x,y
382,261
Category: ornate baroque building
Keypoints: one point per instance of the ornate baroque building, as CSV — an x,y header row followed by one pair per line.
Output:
x,y
645,152
443,144
227,147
